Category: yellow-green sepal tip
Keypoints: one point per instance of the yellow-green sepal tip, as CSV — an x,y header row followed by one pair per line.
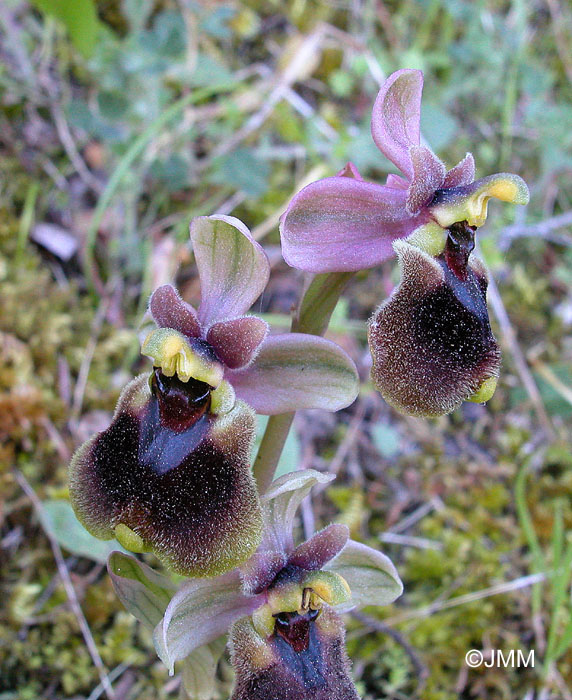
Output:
x,y
485,391
129,539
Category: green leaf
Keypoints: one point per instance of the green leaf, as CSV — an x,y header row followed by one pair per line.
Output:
x,y
59,519
208,72
173,172
112,104
143,592
79,18
244,171
215,22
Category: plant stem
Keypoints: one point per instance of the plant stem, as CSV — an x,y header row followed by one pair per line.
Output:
x,y
270,449
319,301
312,316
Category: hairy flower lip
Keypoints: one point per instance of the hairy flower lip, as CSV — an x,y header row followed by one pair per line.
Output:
x,y
431,341
304,659
178,482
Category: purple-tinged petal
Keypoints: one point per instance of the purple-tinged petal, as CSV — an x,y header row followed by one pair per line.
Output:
x,y
200,612
371,576
233,267
294,371
143,592
431,341
428,176
303,659
462,174
470,202
350,170
395,117
260,570
339,224
170,311
396,182
280,504
313,554
237,342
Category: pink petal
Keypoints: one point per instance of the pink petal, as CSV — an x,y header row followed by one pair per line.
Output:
x,y
295,371
322,547
237,342
233,267
396,182
462,174
339,224
395,117
260,570
170,311
428,176
350,170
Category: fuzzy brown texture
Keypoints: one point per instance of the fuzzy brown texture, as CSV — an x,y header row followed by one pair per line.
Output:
x,y
301,660
431,341
183,485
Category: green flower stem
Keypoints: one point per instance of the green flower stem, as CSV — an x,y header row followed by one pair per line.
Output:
x,y
312,316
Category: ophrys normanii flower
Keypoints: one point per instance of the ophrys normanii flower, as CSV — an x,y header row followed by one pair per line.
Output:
x,y
431,343
281,607
172,474
272,373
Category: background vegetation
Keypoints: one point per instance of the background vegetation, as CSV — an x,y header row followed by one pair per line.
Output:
x,y
120,121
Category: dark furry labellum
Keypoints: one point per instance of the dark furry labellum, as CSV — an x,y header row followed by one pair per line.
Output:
x,y
431,342
304,659
172,475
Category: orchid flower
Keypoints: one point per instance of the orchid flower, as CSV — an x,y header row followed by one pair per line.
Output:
x,y
281,607
431,343
172,473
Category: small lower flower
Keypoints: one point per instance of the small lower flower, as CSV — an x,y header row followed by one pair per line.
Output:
x,y
281,606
